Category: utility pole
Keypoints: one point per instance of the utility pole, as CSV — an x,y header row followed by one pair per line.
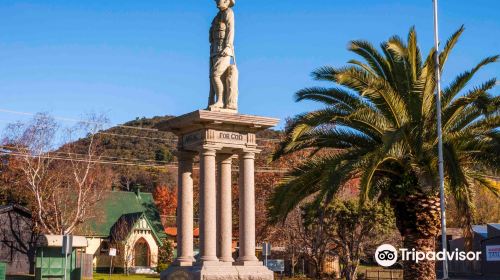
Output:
x,y
440,141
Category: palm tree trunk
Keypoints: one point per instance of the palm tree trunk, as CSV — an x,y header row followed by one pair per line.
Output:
x,y
423,270
418,221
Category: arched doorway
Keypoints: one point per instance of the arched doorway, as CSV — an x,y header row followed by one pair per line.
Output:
x,y
141,253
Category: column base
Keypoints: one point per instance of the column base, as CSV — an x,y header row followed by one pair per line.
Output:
x,y
247,259
218,273
226,259
208,262
249,263
184,262
212,263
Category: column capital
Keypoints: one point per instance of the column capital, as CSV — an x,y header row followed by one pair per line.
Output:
x,y
250,150
208,150
184,155
248,153
225,158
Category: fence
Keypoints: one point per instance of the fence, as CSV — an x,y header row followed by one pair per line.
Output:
x,y
392,274
464,267
84,262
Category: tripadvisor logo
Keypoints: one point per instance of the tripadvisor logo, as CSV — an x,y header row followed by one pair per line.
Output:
x,y
386,255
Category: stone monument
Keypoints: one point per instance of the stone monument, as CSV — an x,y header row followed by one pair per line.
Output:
x,y
217,135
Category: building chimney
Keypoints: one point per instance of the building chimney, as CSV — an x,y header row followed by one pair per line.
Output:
x,y
138,191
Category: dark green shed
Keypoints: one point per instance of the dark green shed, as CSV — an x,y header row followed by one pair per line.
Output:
x,y
50,261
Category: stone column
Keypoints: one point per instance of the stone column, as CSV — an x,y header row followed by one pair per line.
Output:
x,y
247,208
241,205
224,207
208,227
185,209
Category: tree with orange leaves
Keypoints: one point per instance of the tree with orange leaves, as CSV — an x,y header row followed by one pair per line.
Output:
x,y
166,200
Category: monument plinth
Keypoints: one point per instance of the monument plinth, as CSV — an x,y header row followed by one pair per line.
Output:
x,y
217,135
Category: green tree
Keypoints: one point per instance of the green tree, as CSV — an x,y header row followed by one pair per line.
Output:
x,y
342,227
165,254
355,225
379,125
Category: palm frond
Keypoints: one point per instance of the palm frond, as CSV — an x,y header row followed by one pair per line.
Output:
x,y
448,47
304,181
376,61
477,97
329,96
377,91
461,80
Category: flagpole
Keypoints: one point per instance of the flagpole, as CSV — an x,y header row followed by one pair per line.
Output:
x,y
440,141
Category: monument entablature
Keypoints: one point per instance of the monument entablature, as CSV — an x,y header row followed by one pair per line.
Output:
x,y
225,132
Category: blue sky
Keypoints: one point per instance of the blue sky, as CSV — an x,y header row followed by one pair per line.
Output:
x,y
132,58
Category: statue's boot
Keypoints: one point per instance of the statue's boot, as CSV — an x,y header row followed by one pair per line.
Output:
x,y
217,105
219,89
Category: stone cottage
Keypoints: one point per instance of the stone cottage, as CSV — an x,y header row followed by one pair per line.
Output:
x,y
130,223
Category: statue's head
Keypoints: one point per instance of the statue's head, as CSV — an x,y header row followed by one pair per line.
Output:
x,y
224,4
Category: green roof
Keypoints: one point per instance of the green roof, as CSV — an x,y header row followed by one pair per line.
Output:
x,y
114,205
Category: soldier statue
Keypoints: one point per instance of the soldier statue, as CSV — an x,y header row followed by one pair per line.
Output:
x,y
223,75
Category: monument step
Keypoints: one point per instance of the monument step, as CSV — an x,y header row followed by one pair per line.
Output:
x,y
142,270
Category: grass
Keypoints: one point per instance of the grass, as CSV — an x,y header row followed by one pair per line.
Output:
x,y
104,276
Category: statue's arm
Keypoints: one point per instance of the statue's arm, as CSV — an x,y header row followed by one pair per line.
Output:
x,y
230,33
210,39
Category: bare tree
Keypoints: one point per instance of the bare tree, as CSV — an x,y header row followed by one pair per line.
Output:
x,y
84,173
293,242
64,183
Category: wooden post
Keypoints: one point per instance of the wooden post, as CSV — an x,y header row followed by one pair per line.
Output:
x,y
110,267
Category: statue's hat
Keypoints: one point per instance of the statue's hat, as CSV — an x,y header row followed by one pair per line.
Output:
x,y
231,4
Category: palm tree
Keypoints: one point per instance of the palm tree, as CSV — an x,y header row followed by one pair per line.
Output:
x,y
379,126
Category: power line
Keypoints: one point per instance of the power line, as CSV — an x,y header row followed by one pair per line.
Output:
x,y
172,141
83,160
76,120
173,165
101,156
136,136
134,162
112,126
